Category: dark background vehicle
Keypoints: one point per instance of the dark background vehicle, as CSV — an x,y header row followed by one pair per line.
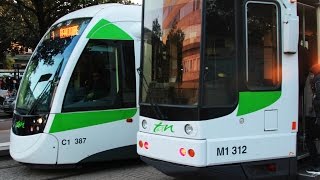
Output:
x,y
8,103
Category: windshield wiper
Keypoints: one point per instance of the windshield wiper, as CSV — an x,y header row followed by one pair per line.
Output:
x,y
43,78
146,87
37,101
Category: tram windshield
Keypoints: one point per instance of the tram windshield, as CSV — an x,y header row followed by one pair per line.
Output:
x,y
172,53
46,66
194,57
171,67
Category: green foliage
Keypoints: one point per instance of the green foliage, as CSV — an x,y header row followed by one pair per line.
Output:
x,y
26,21
8,63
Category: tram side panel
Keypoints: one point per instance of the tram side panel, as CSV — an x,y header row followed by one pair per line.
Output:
x,y
108,133
110,140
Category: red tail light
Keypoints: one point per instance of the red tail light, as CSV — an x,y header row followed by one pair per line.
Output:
x,y
191,153
294,126
140,144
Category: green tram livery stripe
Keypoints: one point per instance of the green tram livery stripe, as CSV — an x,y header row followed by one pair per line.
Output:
x,y
71,121
106,30
250,102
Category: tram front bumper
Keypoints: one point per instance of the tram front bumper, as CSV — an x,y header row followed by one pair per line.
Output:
x,y
34,149
175,150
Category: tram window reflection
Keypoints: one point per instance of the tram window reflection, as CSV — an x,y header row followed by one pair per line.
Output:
x,y
172,52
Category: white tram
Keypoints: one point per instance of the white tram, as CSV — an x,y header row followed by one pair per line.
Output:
x,y
77,101
221,80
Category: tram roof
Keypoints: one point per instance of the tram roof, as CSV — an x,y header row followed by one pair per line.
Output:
x,y
113,15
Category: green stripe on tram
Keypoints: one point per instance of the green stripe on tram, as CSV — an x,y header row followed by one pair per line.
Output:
x,y
70,121
250,102
106,30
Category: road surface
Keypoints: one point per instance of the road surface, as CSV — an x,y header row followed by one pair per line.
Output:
x,y
5,125
115,170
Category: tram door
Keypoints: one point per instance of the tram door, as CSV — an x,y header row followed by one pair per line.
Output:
x,y
307,57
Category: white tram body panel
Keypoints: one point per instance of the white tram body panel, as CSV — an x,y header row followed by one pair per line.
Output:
x,y
72,145
98,139
265,134
38,149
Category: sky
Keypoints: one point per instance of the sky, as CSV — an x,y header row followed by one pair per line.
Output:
x,y
137,1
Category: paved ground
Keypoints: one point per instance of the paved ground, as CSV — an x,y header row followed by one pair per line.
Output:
x,y
4,136
5,125
115,170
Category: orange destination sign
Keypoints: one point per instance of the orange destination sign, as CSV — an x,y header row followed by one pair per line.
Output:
x,y
65,32
69,31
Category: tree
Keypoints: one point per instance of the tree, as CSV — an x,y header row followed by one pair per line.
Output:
x,y
26,21
11,29
8,63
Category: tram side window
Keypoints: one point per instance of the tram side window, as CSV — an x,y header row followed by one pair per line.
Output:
x,y
104,77
220,62
263,61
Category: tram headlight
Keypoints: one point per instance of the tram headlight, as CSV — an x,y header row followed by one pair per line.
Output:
x,y
38,125
35,125
40,120
188,129
144,124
